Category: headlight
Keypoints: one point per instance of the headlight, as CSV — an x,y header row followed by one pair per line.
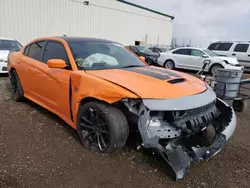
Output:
x,y
2,60
226,62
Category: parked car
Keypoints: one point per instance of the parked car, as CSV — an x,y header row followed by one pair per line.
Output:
x,y
150,57
104,91
7,45
193,59
240,50
157,49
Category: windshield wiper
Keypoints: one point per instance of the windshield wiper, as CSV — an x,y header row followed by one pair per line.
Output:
x,y
131,66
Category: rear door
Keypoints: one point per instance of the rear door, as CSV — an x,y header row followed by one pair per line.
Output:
x,y
242,53
181,57
31,58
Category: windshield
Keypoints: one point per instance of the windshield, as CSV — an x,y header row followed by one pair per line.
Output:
x,y
144,49
10,45
210,53
102,55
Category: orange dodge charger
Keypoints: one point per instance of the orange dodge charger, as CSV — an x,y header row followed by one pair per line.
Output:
x,y
105,92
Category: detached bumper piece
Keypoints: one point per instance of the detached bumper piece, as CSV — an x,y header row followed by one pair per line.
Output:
x,y
180,159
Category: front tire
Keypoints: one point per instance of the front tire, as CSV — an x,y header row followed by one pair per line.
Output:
x,y
240,105
101,127
17,90
169,64
214,69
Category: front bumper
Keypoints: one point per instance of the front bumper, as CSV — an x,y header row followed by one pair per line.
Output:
x,y
180,158
246,65
229,66
3,67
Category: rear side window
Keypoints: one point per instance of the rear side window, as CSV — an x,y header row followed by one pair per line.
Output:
x,y
55,50
26,50
36,50
220,46
241,48
182,52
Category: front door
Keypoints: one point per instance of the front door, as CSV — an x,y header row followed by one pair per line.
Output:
x,y
196,59
53,83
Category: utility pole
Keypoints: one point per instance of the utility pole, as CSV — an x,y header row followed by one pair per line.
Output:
x,y
190,42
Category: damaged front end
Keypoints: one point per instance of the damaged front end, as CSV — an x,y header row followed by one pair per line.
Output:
x,y
184,130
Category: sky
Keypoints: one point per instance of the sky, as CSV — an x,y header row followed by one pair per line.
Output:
x,y
205,21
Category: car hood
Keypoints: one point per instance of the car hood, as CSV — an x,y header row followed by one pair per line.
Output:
x,y
230,60
153,82
4,54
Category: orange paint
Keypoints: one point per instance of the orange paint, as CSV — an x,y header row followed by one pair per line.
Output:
x,y
50,87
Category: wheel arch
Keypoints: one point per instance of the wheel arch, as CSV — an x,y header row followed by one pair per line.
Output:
x,y
215,64
168,59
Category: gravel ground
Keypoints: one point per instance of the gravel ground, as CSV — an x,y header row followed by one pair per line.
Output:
x,y
37,149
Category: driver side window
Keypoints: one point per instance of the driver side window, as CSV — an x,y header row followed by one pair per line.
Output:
x,y
197,53
55,50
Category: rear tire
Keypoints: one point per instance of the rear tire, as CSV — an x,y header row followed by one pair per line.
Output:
x,y
169,64
17,90
101,127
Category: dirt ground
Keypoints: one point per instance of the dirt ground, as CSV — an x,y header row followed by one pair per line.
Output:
x,y
37,149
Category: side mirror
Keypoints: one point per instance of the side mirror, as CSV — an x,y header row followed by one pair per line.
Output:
x,y
56,63
205,56
142,58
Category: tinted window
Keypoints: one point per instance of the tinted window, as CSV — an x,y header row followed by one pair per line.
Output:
x,y
182,52
241,48
26,50
133,49
10,45
36,50
197,53
55,50
90,55
220,46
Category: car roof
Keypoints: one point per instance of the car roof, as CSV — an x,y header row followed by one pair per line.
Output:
x,y
188,48
232,42
74,39
4,38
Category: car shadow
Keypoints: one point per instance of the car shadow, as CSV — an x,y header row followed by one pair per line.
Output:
x,y
46,113
154,160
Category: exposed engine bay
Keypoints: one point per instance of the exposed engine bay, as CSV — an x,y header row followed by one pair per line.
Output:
x,y
195,129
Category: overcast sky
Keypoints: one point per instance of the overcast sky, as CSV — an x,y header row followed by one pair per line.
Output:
x,y
205,20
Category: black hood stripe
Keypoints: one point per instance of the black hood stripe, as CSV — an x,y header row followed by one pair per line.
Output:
x,y
162,74
166,71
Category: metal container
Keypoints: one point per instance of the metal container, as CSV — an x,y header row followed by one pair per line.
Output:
x,y
228,83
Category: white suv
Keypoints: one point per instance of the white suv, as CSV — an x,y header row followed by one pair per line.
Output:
x,y
240,50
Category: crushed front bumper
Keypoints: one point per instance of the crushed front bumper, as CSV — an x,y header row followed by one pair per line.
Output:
x,y
184,130
180,158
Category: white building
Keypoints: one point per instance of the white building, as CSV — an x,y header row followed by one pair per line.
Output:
x,y
116,20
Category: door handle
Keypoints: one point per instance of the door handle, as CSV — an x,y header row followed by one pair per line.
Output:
x,y
233,54
248,55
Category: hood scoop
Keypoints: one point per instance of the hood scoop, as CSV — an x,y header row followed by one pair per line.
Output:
x,y
176,81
